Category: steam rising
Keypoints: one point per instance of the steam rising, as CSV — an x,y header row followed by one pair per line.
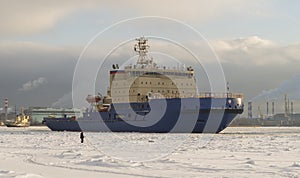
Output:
x,y
290,87
32,84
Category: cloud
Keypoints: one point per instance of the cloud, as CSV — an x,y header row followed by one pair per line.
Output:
x,y
192,10
24,61
33,84
256,51
31,17
33,56
244,44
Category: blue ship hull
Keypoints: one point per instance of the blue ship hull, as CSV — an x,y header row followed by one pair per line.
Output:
x,y
185,115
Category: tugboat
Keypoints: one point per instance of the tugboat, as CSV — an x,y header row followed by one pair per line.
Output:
x,y
21,120
147,98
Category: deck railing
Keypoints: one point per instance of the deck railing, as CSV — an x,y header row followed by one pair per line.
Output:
x,y
220,95
202,95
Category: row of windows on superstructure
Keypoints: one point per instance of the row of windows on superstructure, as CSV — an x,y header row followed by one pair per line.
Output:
x,y
158,83
139,73
162,83
152,91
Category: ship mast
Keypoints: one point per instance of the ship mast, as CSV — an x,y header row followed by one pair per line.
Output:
x,y
142,49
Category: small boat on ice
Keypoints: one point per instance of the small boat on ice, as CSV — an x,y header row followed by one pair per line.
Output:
x,y
21,120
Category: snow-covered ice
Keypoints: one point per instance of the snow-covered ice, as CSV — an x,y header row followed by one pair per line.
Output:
x,y
36,152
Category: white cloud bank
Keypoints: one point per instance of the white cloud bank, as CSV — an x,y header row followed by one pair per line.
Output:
x,y
32,84
260,65
256,51
30,16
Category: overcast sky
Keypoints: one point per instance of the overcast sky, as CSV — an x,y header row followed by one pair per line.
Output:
x,y
257,43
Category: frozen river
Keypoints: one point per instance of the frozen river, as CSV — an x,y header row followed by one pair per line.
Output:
x,y
236,152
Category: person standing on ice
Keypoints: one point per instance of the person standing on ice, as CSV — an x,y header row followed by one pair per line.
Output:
x,y
81,137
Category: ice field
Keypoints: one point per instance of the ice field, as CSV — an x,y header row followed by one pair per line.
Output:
x,y
236,152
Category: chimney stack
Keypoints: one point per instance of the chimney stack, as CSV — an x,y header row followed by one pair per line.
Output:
x,y
6,107
285,105
267,108
288,108
273,108
249,110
